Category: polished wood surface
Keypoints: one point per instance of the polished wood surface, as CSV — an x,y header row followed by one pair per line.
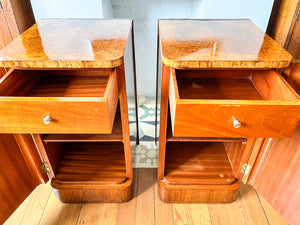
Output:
x,y
120,71
293,45
197,163
280,160
238,154
76,104
31,155
69,43
101,162
163,120
17,180
275,173
169,193
218,44
281,19
189,96
16,16
294,77
85,192
115,136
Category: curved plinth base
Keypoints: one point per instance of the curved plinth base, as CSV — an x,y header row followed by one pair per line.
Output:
x,y
69,192
197,193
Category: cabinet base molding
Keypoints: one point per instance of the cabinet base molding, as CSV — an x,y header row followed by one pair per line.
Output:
x,y
197,193
76,192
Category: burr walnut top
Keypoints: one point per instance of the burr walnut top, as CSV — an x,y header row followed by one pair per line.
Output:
x,y
69,43
219,44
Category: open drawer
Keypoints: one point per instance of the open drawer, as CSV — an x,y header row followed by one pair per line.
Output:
x,y
232,103
58,101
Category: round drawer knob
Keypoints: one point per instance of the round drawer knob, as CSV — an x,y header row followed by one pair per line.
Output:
x,y
47,119
236,123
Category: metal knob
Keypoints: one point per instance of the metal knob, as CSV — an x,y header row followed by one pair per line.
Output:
x,y
47,119
236,123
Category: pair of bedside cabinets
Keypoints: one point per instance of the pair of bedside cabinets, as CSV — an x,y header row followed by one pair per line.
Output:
x,y
65,101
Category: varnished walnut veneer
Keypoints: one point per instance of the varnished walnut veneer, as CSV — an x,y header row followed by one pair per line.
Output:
x,y
212,71
200,44
262,101
69,43
73,71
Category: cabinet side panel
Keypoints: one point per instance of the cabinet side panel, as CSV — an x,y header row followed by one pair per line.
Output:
x,y
16,181
278,177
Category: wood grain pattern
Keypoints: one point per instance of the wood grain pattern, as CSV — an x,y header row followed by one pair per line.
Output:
x,y
197,193
65,214
273,216
84,192
16,178
31,156
250,201
120,71
69,114
56,213
281,19
115,136
163,211
238,154
294,77
163,120
218,44
259,118
37,206
191,214
50,44
293,45
197,163
90,163
228,214
127,210
280,159
98,214
145,196
18,214
19,15
5,37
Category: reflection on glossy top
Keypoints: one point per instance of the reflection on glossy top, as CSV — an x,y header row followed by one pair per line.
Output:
x,y
69,43
219,44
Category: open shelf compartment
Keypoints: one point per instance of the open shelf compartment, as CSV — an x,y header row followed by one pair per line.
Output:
x,y
197,163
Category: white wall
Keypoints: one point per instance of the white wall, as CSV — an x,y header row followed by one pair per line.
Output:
x,y
145,14
67,9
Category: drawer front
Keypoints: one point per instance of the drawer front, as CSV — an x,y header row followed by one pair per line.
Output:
x,y
237,118
67,117
217,120
68,114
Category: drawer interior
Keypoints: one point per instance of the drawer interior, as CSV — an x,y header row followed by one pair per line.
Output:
x,y
232,85
55,83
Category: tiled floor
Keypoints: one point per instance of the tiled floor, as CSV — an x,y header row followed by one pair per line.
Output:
x,y
145,154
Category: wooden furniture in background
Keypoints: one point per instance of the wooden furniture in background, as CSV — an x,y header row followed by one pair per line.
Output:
x,y
18,179
280,158
220,96
65,101
16,16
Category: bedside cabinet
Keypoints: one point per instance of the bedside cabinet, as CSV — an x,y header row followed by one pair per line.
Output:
x,y
65,102
220,97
